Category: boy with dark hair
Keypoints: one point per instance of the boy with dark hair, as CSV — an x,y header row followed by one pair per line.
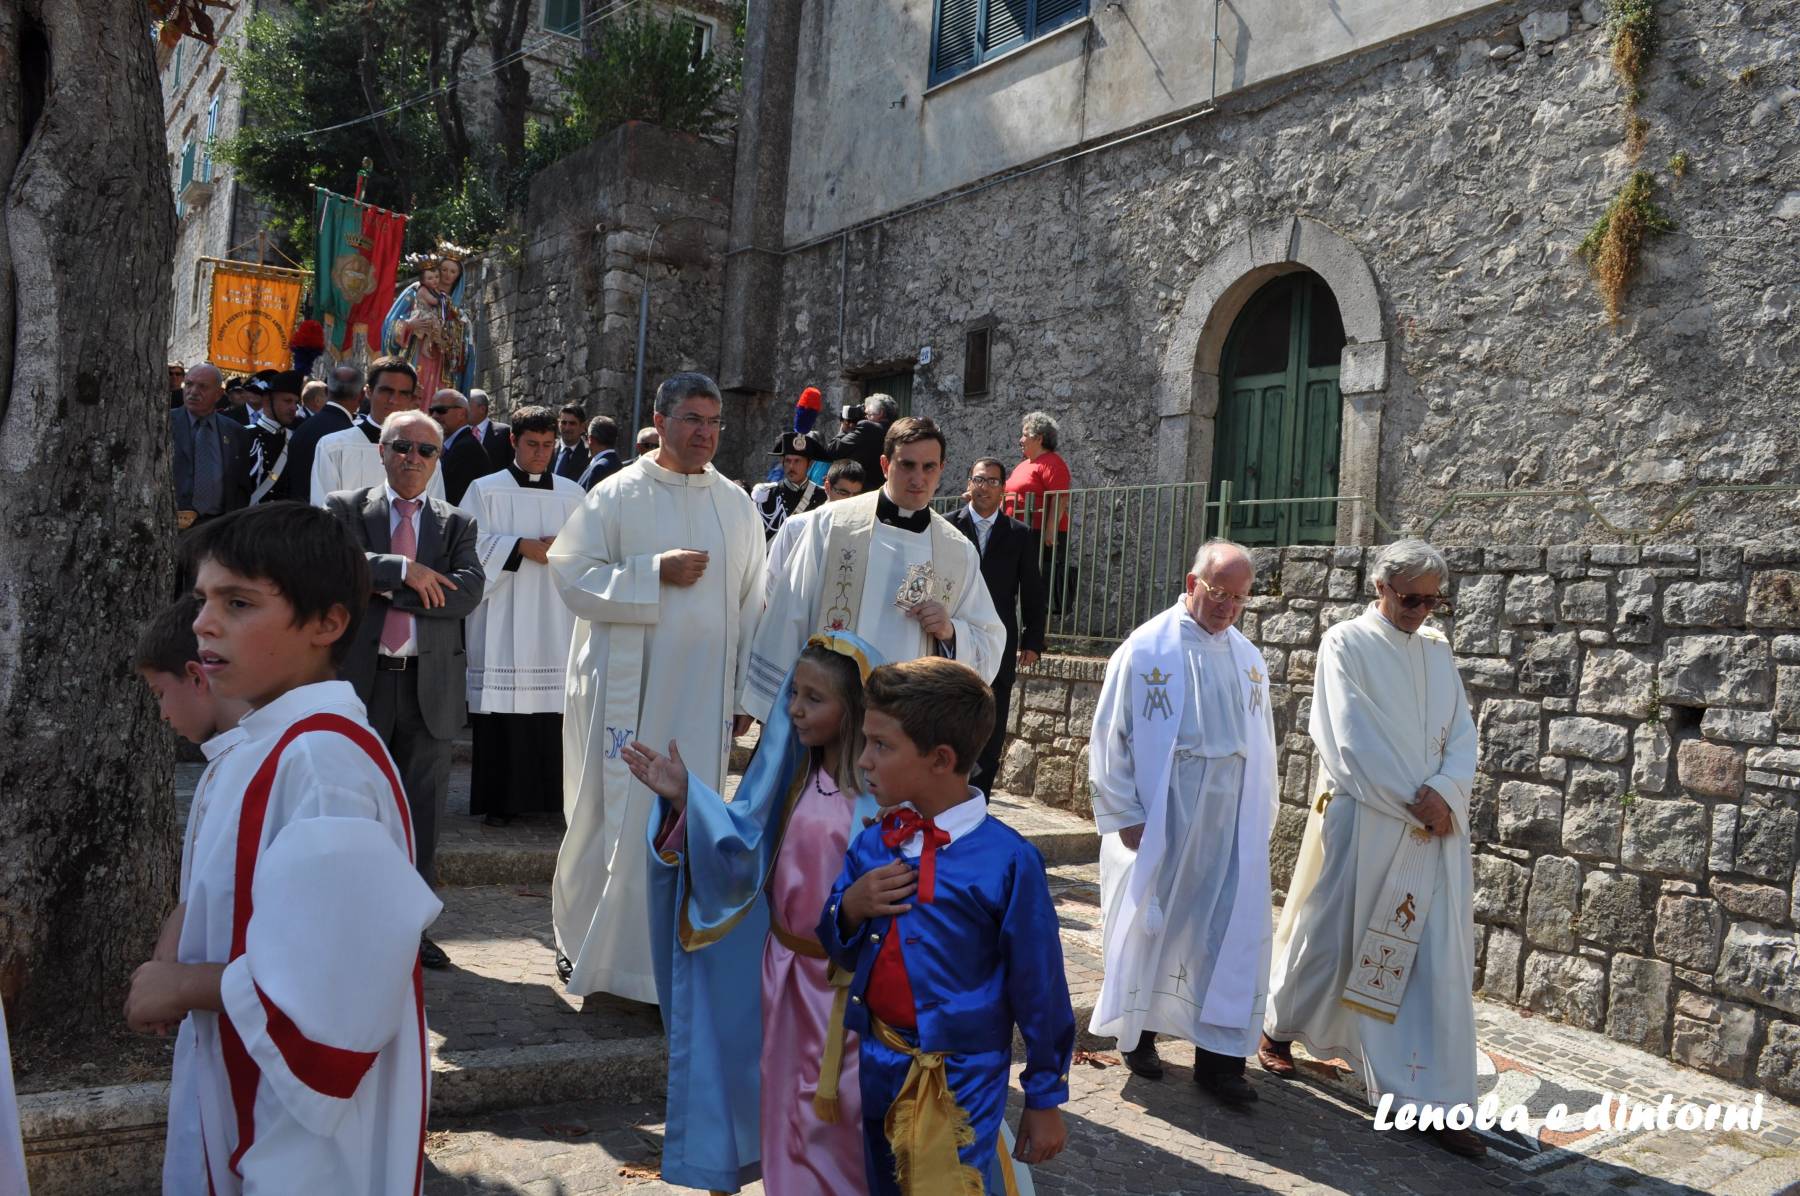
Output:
x,y
302,1062
949,956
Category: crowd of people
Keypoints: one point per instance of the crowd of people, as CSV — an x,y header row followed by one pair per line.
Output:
x,y
609,627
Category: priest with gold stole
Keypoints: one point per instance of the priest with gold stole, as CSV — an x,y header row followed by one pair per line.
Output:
x,y
1182,764
885,567
1375,954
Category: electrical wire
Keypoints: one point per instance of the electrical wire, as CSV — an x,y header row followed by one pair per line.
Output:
x,y
492,69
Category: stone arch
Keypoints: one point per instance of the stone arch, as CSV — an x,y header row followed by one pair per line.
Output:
x,y
1188,384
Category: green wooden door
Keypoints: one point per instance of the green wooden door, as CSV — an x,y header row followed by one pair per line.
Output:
x,y
898,385
1277,430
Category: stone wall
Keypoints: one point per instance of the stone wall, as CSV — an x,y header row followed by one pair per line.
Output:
x,y
556,315
1636,811
1463,165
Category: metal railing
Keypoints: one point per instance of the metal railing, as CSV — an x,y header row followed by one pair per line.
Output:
x,y
1127,549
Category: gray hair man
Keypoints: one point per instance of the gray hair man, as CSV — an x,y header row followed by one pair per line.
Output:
x,y
343,395
662,566
1181,760
646,441
1375,949
865,434
209,451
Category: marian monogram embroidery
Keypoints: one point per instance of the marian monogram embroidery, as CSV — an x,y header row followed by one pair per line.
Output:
x,y
1256,688
1156,694
616,739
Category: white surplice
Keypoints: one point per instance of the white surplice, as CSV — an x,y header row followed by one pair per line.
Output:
x,y
324,1010
647,661
349,460
518,637
1187,938
1388,715
795,596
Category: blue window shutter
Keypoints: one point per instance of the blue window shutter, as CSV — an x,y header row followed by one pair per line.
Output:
x,y
187,163
1007,21
954,47
1051,13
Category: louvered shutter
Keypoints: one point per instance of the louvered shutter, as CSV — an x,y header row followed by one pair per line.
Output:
x,y
955,49
1006,22
1051,13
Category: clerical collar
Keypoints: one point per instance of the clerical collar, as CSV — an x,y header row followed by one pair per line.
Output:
x,y
532,481
369,428
889,512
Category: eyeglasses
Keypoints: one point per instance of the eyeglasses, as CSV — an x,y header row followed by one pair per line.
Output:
x,y
694,423
984,481
1434,602
439,410
1226,596
425,449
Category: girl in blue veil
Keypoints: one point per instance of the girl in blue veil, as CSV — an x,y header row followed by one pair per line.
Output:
x,y
761,1077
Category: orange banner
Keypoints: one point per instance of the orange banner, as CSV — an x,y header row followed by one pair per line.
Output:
x,y
252,313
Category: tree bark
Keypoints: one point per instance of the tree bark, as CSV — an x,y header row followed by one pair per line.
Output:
x,y
507,22
86,506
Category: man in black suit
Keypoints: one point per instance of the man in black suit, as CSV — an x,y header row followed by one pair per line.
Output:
x,y
603,443
210,451
1009,565
407,661
343,394
464,458
495,437
572,454
863,442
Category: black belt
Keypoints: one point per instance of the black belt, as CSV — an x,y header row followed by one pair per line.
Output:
x,y
395,664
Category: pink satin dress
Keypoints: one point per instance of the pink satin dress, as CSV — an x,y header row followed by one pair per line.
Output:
x,y
802,1155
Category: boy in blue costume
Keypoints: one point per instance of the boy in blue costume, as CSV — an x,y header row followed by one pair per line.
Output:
x,y
948,956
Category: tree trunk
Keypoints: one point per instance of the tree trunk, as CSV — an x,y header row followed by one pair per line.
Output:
x,y
86,506
512,83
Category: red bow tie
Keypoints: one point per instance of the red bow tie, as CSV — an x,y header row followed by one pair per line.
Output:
x,y
902,824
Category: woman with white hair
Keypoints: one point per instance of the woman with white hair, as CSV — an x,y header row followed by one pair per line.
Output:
x,y
1038,484
1375,950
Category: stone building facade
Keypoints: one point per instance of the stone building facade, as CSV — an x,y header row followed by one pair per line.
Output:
x,y
1438,179
1637,809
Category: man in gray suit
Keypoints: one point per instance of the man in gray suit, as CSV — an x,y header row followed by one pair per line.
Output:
x,y
211,452
406,660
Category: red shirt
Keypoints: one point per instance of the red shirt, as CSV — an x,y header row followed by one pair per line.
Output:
x,y
1045,475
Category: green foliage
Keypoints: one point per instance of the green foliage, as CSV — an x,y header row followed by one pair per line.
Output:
x,y
305,71
1632,24
1612,246
643,68
1678,164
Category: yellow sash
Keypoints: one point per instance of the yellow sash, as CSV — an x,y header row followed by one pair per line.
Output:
x,y
925,1127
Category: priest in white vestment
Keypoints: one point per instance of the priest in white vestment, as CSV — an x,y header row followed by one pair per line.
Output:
x,y
886,567
662,567
351,459
1182,765
518,638
1375,953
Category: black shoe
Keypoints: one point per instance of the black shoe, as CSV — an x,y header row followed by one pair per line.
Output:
x,y
565,967
1142,1058
1230,1089
431,955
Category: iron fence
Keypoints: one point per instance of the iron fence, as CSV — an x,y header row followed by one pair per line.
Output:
x,y
1126,550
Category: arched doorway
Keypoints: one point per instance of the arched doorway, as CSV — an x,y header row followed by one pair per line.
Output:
x,y
1280,412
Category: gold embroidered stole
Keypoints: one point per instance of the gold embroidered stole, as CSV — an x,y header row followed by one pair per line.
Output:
x,y
846,566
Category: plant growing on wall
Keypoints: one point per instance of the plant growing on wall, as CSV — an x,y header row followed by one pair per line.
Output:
x,y
1612,246
1632,25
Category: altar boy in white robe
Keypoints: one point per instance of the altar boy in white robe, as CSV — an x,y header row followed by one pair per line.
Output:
x,y
662,566
518,638
1375,953
1182,764
886,567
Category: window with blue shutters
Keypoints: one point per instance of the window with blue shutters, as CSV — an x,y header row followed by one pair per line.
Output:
x,y
212,133
966,33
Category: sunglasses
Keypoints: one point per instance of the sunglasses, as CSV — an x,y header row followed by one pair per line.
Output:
x,y
439,410
401,448
1434,602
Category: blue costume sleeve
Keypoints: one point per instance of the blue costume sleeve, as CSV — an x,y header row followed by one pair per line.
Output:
x,y
842,943
1037,990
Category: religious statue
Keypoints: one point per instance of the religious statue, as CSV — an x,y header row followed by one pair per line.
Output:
x,y
427,325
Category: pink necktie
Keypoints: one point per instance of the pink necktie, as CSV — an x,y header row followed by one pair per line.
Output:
x,y
397,627
477,434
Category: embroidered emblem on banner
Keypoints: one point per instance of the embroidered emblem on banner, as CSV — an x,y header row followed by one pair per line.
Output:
x,y
1256,688
1156,695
